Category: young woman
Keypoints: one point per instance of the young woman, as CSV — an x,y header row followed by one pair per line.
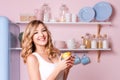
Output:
x,y
43,60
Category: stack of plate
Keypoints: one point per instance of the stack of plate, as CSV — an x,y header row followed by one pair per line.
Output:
x,y
100,12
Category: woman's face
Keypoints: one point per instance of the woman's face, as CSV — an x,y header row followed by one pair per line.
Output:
x,y
40,36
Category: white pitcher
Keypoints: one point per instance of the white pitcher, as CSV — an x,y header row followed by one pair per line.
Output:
x,y
71,44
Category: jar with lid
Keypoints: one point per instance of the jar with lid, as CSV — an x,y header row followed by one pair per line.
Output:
x,y
46,13
63,11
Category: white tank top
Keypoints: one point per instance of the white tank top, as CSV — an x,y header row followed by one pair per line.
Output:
x,y
46,68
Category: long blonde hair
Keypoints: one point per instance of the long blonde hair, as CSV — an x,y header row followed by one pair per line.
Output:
x,y
28,47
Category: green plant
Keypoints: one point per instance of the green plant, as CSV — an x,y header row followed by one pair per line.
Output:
x,y
20,36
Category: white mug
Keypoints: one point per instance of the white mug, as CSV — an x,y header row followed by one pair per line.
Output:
x,y
68,17
74,18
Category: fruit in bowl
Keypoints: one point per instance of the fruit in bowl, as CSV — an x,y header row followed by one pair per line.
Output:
x,y
66,55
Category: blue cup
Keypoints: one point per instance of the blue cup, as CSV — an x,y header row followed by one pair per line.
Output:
x,y
77,60
85,59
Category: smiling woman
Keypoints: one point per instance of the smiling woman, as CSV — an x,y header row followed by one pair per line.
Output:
x,y
43,60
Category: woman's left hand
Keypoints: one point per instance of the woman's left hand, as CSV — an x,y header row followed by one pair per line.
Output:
x,y
70,62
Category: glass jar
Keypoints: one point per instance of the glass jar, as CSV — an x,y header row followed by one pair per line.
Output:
x,y
46,13
38,14
63,11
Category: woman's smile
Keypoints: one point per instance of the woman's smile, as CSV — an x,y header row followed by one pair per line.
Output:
x,y
42,39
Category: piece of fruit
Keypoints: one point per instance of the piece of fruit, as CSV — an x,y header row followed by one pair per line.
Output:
x,y
66,55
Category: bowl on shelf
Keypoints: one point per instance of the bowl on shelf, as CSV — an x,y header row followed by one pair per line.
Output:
x,y
60,44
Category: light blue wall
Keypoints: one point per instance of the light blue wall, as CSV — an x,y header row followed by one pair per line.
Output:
x,y
4,48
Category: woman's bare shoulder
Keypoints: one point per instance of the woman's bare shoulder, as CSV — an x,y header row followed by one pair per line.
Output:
x,y
31,59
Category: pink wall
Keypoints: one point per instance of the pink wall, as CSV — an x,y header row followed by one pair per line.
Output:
x,y
107,69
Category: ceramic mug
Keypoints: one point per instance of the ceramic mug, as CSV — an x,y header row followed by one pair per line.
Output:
x,y
77,60
85,59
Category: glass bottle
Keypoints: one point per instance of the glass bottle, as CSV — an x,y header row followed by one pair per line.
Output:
x,y
93,42
105,42
82,42
87,40
99,41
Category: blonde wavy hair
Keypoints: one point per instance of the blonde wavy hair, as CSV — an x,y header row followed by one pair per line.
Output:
x,y
28,47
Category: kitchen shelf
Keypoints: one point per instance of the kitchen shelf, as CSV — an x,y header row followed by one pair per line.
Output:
x,y
84,49
78,22
108,23
15,48
73,49
98,25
